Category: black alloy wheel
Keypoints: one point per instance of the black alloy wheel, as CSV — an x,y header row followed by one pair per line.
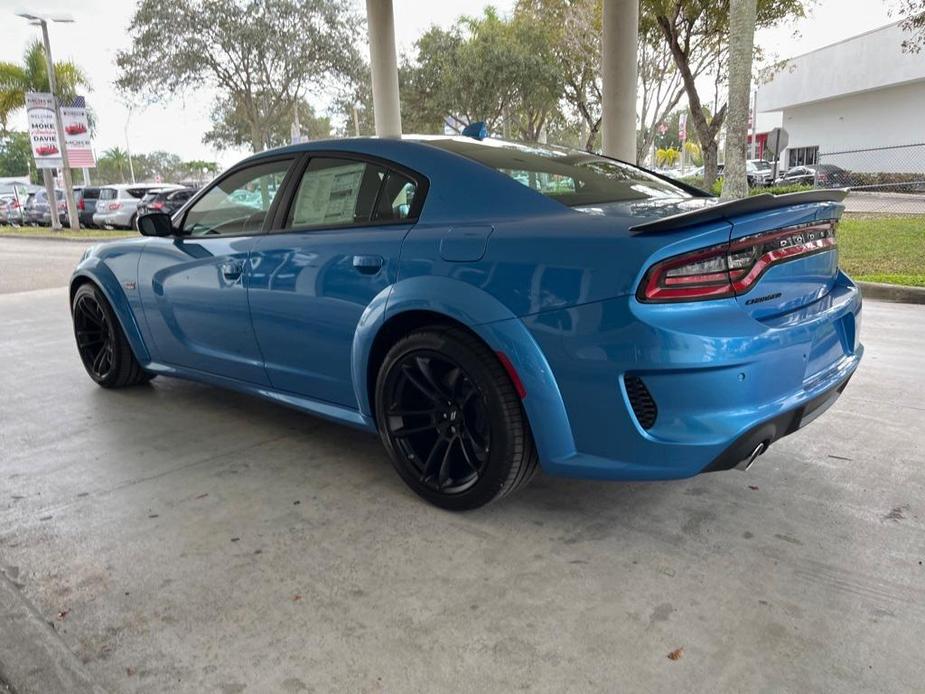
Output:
x,y
103,348
438,419
451,420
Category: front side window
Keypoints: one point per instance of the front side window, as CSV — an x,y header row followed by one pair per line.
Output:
x,y
238,204
346,192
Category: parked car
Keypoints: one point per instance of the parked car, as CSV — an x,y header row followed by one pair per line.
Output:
x,y
117,205
816,175
760,173
38,211
86,198
11,212
487,307
167,201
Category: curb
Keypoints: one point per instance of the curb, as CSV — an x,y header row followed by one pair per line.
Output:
x,y
892,292
33,658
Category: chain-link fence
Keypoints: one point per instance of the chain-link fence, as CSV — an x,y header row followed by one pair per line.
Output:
x,y
883,180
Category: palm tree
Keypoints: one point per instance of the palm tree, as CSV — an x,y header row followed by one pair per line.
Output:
x,y
117,158
32,76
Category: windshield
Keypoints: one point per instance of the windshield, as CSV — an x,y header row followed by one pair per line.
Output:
x,y
573,177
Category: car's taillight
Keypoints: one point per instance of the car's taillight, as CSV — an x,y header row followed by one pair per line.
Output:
x,y
157,205
731,268
80,204
115,205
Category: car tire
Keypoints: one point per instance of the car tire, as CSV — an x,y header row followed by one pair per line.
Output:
x,y
452,421
101,344
131,223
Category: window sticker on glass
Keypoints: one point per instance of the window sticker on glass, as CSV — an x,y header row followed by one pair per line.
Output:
x,y
329,195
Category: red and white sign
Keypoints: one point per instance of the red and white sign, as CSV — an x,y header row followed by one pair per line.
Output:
x,y
46,150
40,110
682,126
77,135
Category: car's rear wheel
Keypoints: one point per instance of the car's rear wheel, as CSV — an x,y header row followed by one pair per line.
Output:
x,y
451,419
103,348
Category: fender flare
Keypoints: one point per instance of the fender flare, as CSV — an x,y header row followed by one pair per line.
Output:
x,y
100,275
496,325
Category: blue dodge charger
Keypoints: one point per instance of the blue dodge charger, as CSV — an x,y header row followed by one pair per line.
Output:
x,y
488,307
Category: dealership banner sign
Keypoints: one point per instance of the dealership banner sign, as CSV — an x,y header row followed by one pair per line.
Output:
x,y
77,134
46,150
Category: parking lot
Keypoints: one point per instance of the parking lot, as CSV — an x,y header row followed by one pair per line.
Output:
x,y
178,537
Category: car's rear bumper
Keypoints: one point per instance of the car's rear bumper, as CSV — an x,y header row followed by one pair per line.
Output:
x,y
114,219
721,380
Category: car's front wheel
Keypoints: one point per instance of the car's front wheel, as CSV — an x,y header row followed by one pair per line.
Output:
x,y
103,348
451,419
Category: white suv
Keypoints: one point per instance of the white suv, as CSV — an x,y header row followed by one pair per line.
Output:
x,y
118,204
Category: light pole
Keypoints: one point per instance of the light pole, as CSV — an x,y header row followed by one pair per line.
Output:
x,y
128,147
39,20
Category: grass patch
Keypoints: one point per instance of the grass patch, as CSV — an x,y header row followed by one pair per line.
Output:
x,y
82,235
883,249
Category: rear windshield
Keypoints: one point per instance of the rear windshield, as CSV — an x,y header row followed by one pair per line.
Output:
x,y
573,177
108,193
91,193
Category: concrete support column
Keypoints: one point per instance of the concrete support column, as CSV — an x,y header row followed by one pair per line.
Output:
x,y
384,67
620,29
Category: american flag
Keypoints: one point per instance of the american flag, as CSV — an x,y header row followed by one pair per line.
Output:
x,y
81,156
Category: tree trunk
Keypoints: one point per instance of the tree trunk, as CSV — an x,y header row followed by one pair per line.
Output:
x,y
709,153
741,47
706,130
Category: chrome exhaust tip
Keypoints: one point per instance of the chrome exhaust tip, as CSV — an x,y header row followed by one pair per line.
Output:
x,y
746,463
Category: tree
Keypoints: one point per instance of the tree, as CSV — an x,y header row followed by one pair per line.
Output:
x,y
32,76
485,68
913,14
699,29
230,127
260,55
741,48
573,28
113,161
16,154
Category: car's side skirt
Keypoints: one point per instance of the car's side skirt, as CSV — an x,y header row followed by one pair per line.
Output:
x,y
327,410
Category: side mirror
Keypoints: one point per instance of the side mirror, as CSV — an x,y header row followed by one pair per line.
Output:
x,y
155,224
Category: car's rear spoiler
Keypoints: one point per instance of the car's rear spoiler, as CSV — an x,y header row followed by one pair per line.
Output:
x,y
734,208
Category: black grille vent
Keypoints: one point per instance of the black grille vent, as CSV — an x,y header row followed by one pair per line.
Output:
x,y
644,406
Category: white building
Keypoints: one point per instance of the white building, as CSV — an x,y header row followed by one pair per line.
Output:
x,y
862,93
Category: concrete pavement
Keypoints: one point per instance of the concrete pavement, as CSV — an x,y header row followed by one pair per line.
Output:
x,y
20,271
184,538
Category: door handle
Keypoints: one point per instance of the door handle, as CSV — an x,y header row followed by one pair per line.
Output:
x,y
367,264
232,270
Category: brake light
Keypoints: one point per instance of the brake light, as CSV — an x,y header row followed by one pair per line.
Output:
x,y
732,268
115,205
80,204
157,205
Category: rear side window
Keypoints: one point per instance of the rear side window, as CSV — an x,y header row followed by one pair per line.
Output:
x,y
136,192
345,192
573,177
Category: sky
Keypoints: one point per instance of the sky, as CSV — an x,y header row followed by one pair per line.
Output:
x,y
100,31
